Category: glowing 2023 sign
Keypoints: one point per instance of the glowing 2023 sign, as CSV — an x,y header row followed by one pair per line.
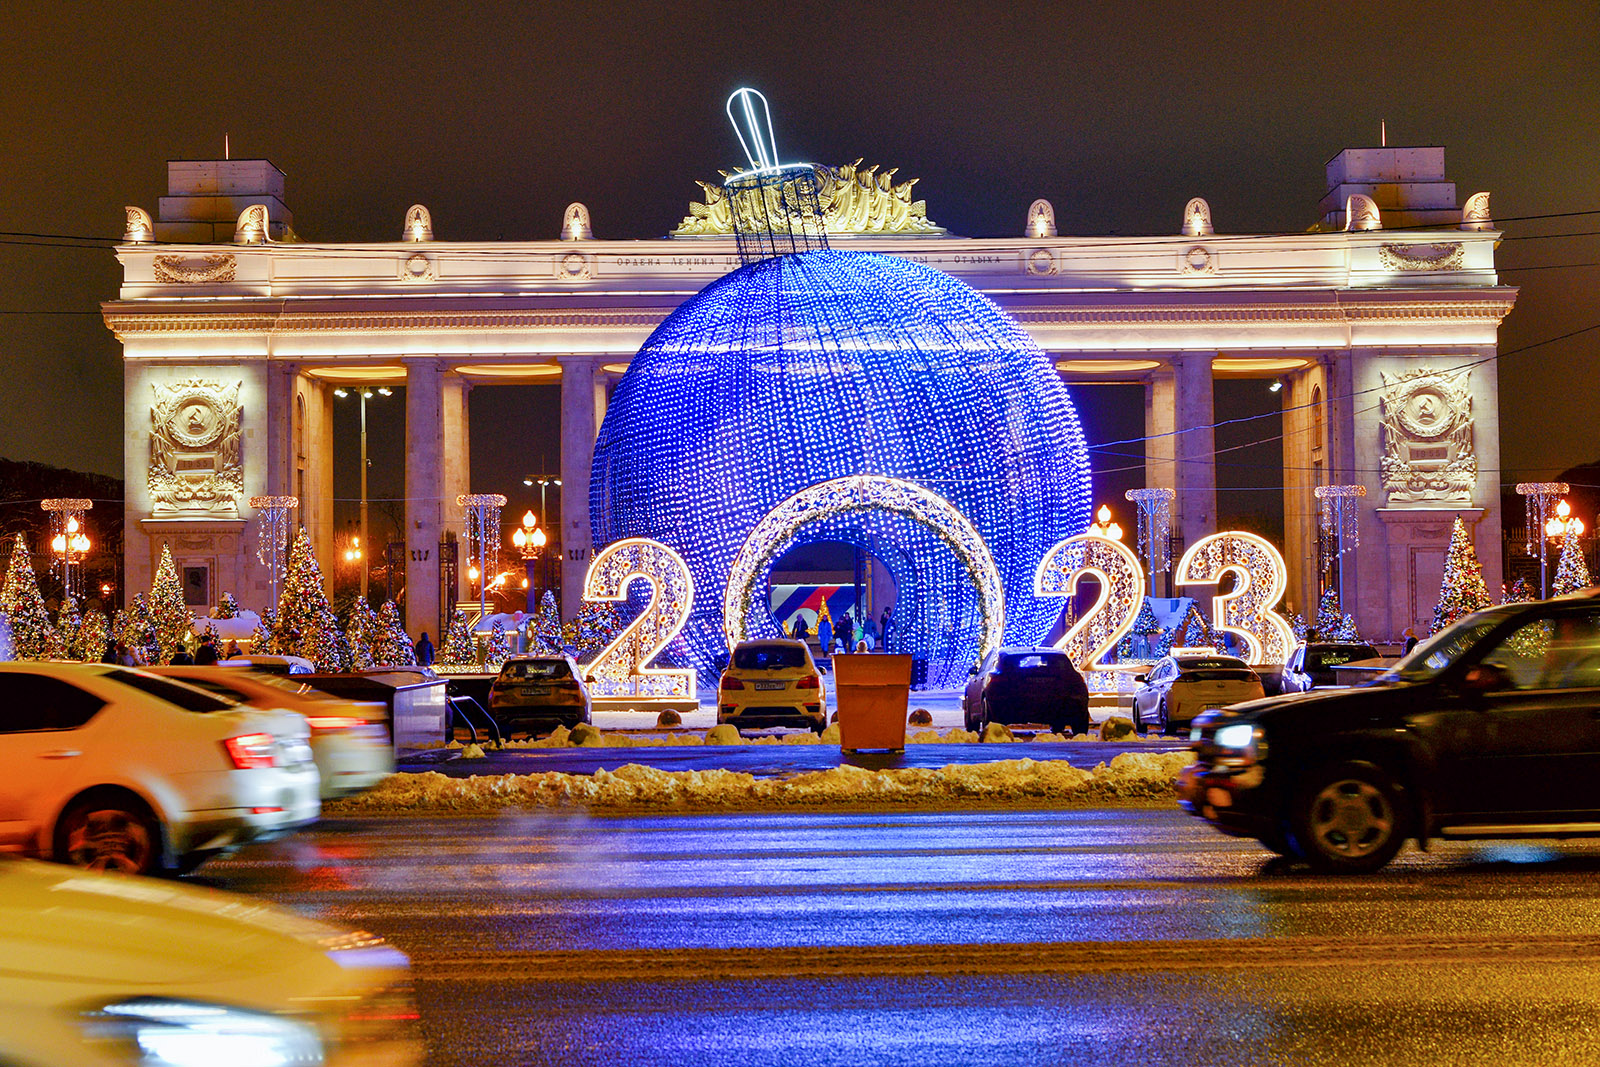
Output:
x,y
1260,574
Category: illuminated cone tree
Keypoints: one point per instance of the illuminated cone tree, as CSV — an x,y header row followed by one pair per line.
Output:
x,y
1461,591
457,650
1572,573
499,647
362,632
169,615
393,645
306,626
93,633
264,640
69,626
227,608
547,636
33,637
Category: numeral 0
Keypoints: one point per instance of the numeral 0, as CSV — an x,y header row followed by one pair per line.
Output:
x,y
1114,610
1260,579
621,668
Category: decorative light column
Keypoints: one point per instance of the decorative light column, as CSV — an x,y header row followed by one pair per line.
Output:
x,y
68,540
1155,529
530,541
1540,499
482,517
1341,524
272,534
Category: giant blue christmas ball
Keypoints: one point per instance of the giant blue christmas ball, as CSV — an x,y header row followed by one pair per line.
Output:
x,y
803,368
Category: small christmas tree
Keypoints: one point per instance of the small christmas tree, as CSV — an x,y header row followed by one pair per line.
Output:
x,y
92,634
1572,573
306,626
362,632
169,615
264,640
1519,592
1346,631
1461,591
1328,617
1298,625
547,636
33,636
457,650
499,647
1138,642
1195,630
393,645
227,608
69,637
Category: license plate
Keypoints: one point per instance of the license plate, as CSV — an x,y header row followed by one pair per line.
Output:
x,y
533,690
765,686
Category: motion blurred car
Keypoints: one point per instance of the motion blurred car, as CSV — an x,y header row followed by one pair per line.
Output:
x,y
110,768
1027,685
538,693
100,969
1184,684
1489,728
349,739
268,664
1311,665
772,682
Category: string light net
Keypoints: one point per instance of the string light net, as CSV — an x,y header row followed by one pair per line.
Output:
x,y
804,368
1341,514
1540,499
1155,527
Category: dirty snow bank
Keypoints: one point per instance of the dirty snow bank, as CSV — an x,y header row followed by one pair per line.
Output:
x,y
1024,782
561,737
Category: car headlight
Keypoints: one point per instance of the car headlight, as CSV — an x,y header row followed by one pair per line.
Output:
x,y
1237,735
186,1033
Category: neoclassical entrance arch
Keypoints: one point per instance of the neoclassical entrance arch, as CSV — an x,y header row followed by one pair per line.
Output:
x,y
858,493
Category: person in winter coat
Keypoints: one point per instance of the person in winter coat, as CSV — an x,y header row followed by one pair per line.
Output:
x,y
424,650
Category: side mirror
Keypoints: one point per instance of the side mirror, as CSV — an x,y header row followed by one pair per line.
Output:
x,y
1140,677
1485,678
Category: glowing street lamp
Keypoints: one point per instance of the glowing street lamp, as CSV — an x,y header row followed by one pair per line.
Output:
x,y
1104,527
529,541
70,544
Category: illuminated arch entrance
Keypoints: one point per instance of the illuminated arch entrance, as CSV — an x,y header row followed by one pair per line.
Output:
x,y
853,494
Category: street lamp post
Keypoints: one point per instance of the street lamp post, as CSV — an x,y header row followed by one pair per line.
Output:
x,y
70,543
1540,498
530,540
543,481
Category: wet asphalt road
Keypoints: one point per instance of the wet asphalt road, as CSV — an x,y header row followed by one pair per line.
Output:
x,y
1096,936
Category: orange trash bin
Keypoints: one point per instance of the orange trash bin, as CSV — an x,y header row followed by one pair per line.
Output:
x,y
873,693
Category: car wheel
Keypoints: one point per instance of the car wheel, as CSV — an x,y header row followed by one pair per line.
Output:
x,y
1347,819
109,834
1166,718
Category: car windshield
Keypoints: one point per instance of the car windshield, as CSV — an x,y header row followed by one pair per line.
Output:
x,y
768,657
535,669
1429,659
184,696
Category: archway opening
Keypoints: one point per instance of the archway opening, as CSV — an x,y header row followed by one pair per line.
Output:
x,y
849,578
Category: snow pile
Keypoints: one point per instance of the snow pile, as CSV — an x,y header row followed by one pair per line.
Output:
x,y
1008,783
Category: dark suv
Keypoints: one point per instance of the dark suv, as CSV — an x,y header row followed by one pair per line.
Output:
x,y
1027,685
1490,728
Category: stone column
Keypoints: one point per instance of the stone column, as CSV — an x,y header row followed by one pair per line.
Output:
x,y
457,473
582,403
1160,470
1195,447
425,491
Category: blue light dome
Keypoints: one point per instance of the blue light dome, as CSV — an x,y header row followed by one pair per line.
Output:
x,y
804,368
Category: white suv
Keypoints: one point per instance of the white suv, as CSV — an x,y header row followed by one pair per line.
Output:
x,y
110,768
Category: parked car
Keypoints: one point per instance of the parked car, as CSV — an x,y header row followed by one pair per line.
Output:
x,y
1312,664
1490,728
1183,685
538,693
772,682
1027,685
350,740
101,969
105,767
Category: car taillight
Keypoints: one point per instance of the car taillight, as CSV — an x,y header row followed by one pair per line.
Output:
x,y
250,751
732,683
810,681
334,722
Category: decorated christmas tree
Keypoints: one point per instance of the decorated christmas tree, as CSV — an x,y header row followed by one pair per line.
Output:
x,y
362,633
457,649
1328,617
1139,642
1572,573
392,648
306,625
92,634
1519,592
169,615
264,640
1297,623
499,647
1346,631
227,608
69,636
1195,630
33,637
547,639
1461,591
212,634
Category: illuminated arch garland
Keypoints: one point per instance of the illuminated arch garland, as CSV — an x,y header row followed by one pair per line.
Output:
x,y
842,496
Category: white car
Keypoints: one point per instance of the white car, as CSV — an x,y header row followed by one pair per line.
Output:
x,y
349,739
110,768
101,969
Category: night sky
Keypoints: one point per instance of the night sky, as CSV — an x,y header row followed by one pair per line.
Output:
x,y
498,117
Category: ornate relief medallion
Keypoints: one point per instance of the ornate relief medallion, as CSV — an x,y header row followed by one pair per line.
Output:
x,y
1428,449
190,270
194,448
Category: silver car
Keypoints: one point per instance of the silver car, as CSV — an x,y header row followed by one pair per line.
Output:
x,y
110,768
